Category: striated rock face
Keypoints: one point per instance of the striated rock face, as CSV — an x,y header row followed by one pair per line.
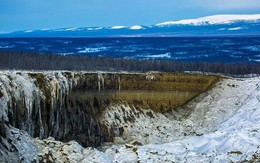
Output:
x,y
71,105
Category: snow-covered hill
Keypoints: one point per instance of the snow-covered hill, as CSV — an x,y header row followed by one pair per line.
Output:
x,y
215,19
220,25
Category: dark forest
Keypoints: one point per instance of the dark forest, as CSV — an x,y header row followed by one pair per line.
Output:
x,y
35,61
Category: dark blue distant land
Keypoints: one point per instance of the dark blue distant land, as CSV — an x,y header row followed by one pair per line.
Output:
x,y
205,49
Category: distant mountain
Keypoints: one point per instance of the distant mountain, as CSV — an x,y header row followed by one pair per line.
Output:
x,y
214,20
217,25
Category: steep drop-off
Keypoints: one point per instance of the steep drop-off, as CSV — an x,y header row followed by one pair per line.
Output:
x,y
220,125
70,105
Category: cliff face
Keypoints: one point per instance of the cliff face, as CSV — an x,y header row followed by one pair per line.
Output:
x,y
70,105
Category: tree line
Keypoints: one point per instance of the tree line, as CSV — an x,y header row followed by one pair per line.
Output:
x,y
36,61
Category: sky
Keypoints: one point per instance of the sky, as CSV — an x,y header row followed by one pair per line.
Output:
x,y
51,14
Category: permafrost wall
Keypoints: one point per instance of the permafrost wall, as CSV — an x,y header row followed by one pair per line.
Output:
x,y
69,105
40,104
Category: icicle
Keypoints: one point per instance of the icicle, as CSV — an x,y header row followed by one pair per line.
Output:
x,y
101,82
119,83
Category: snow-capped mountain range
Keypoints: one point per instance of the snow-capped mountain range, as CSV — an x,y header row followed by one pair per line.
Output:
x,y
216,25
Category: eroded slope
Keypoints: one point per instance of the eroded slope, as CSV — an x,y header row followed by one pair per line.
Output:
x,y
221,125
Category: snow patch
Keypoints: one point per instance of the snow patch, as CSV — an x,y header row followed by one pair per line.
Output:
x,y
6,47
28,31
71,29
255,60
136,27
118,27
222,29
69,53
92,50
235,28
255,48
98,28
94,28
166,55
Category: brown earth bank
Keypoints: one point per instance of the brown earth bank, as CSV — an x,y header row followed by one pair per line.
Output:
x,y
68,105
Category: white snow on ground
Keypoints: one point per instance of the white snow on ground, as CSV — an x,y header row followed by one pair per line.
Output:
x,y
67,29
92,50
57,151
226,122
28,31
222,29
231,29
94,28
71,29
221,125
254,48
235,28
256,60
118,27
215,19
4,47
166,55
90,29
98,28
136,27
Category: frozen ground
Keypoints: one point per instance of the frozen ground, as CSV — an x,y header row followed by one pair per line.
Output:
x,y
222,125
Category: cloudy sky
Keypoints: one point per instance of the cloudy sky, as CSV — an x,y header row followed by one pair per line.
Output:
x,y
48,14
